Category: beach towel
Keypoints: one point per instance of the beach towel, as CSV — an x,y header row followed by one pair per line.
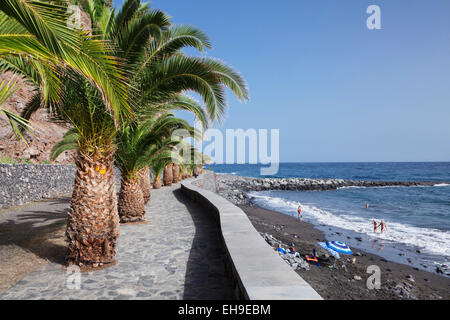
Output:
x,y
313,259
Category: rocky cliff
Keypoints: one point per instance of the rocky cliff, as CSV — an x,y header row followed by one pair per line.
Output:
x,y
45,134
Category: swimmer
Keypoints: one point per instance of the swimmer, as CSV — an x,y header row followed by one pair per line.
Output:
x,y
375,225
383,226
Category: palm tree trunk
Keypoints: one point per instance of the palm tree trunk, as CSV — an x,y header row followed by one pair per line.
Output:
x,y
144,181
168,175
131,201
157,182
185,174
93,221
176,173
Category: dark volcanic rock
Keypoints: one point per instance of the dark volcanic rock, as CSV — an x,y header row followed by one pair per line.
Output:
x,y
23,183
231,187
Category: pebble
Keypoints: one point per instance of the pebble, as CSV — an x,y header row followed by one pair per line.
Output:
x,y
410,278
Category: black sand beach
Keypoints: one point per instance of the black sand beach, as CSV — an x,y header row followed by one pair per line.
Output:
x,y
398,281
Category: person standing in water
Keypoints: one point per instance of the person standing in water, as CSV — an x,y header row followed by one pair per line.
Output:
x,y
383,226
375,225
299,216
367,205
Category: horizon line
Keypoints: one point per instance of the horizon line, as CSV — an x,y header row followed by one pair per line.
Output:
x,y
286,162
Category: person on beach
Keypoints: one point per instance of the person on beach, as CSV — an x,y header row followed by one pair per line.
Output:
x,y
375,225
299,216
383,226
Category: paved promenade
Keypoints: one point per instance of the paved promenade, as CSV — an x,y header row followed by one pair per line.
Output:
x,y
175,256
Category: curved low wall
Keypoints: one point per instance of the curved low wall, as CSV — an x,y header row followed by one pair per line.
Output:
x,y
258,271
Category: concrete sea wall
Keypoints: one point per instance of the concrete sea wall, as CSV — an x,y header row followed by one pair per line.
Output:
x,y
257,271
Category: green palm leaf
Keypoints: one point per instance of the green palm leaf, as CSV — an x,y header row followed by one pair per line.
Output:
x,y
7,89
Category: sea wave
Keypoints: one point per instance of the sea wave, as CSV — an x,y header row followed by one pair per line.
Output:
x,y
351,187
399,186
429,240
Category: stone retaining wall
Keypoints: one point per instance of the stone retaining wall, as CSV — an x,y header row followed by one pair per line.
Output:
x,y
257,271
24,183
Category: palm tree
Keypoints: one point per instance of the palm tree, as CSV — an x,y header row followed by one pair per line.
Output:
x,y
168,174
138,146
175,172
161,73
82,82
164,73
97,133
132,26
157,166
97,100
182,102
158,69
145,184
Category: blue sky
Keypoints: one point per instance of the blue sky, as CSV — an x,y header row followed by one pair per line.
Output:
x,y
336,90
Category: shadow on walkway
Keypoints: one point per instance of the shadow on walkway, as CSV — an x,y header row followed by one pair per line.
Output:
x,y
206,276
36,228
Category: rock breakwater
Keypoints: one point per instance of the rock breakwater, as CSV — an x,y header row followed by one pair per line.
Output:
x,y
236,188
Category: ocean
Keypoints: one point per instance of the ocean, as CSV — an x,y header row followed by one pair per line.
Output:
x,y
417,218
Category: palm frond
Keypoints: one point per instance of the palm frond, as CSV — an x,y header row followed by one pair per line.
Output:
x,y
229,77
133,38
139,143
68,142
171,42
50,40
33,105
181,73
7,89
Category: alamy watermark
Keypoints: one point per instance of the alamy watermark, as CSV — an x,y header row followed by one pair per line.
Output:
x,y
73,277
373,22
238,146
374,281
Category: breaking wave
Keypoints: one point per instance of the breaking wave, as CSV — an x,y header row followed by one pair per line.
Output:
x,y
429,240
